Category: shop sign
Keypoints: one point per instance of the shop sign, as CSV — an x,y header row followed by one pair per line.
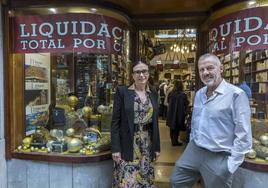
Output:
x,y
68,33
242,30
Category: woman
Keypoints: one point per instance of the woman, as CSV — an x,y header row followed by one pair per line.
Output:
x,y
177,111
135,133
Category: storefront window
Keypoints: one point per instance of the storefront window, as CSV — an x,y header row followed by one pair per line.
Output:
x,y
240,40
66,63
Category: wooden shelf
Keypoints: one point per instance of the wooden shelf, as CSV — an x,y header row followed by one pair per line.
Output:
x,y
256,71
257,60
257,82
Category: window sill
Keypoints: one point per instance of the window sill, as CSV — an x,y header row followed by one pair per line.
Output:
x,y
256,166
69,158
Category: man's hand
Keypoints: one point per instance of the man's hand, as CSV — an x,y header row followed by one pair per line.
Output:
x,y
116,156
157,155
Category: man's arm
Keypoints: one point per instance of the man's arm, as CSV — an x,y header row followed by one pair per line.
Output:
x,y
243,135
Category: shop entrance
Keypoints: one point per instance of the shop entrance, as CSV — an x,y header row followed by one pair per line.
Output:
x,y
171,55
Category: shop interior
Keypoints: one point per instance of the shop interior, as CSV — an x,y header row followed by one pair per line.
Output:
x,y
171,54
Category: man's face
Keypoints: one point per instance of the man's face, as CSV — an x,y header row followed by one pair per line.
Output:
x,y
140,74
210,72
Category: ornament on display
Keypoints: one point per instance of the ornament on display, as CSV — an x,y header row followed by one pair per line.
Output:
x,y
70,132
86,111
74,145
72,101
264,140
251,154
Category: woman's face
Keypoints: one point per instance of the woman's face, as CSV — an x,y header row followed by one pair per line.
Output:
x,y
140,73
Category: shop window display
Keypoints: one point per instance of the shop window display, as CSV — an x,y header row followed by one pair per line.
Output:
x,y
244,56
66,89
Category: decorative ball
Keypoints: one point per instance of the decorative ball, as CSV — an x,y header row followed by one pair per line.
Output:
x,y
19,147
72,100
264,140
101,108
24,147
251,154
27,141
74,145
106,110
83,152
87,111
70,132
85,139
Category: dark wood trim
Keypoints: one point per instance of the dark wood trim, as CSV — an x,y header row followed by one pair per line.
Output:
x,y
51,157
225,3
48,3
256,166
3,2
7,86
134,44
170,15
168,24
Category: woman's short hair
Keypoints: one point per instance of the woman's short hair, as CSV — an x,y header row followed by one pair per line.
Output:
x,y
138,62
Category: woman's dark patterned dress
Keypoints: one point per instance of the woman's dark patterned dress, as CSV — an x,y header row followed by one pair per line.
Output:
x,y
138,173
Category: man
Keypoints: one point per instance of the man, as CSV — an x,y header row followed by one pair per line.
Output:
x,y
220,131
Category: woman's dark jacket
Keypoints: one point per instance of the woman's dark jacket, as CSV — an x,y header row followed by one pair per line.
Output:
x,y
122,131
177,110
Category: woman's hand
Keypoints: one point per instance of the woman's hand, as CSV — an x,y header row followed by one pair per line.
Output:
x,y
157,155
116,156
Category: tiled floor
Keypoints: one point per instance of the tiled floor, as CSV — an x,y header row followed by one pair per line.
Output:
x,y
169,155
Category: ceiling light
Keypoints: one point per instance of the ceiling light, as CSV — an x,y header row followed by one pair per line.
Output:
x,y
251,2
93,10
52,10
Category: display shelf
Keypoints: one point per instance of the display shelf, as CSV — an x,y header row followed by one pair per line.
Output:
x,y
71,158
258,82
256,71
253,165
257,60
231,67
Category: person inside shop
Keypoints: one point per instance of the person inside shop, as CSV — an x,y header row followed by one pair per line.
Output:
x,y
177,110
135,132
162,95
168,90
246,88
220,131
